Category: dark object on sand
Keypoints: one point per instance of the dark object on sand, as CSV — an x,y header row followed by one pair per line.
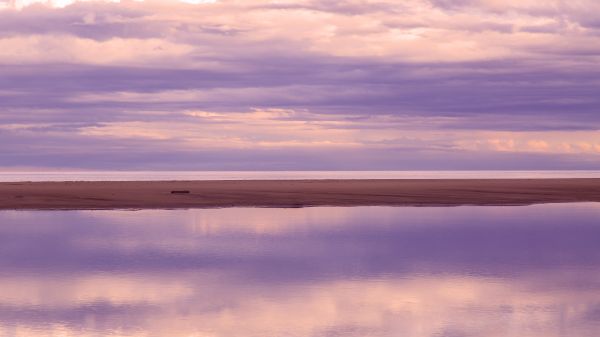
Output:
x,y
180,192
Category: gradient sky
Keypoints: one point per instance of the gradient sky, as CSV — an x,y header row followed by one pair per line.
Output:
x,y
305,84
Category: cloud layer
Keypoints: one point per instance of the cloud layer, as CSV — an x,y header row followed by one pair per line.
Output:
x,y
300,84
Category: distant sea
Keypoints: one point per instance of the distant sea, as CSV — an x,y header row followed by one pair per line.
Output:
x,y
282,175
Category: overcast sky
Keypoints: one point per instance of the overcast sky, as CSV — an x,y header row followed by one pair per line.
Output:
x,y
313,84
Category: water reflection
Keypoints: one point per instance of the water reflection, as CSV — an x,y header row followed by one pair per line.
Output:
x,y
366,271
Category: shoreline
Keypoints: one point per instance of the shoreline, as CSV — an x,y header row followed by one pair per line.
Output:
x,y
293,193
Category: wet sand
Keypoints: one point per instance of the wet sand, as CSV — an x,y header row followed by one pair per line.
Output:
x,y
294,193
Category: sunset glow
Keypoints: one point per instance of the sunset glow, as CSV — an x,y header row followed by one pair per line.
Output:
x,y
306,84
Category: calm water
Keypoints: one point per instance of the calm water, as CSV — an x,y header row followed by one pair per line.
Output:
x,y
367,271
283,175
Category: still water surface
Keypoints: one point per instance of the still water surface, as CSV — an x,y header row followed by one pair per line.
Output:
x,y
367,271
282,175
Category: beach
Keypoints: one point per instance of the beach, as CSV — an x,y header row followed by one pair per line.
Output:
x,y
294,193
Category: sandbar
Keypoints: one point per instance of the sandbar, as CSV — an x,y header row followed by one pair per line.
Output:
x,y
294,193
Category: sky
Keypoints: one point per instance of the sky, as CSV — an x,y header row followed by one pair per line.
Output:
x,y
299,85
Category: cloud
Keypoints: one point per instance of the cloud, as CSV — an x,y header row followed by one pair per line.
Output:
x,y
420,74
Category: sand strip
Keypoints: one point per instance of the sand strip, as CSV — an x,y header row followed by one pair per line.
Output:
x,y
295,193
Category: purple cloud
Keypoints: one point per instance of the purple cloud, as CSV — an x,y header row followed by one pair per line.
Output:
x,y
76,75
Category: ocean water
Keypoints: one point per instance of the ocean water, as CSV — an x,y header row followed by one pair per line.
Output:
x,y
282,175
530,271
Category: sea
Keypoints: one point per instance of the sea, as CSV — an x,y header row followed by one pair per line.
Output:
x,y
490,271
17,176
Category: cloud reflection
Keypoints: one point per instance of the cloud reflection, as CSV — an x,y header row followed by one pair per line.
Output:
x,y
366,271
